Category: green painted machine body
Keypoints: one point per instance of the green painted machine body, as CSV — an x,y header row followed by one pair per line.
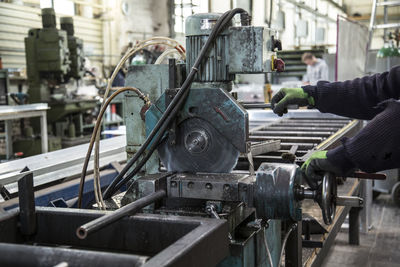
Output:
x,y
53,58
75,47
152,80
47,59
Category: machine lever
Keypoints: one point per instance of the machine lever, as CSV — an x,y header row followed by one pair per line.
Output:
x,y
370,176
211,209
349,201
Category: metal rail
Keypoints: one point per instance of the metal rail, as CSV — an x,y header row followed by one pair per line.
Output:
x,y
304,133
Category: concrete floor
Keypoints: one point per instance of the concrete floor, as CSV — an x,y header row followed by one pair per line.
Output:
x,y
380,247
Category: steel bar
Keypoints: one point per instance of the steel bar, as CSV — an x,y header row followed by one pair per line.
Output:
x,y
27,215
288,150
129,209
310,124
293,120
370,176
292,133
302,146
314,140
293,149
265,147
256,105
389,3
304,129
387,26
350,201
354,226
26,255
293,250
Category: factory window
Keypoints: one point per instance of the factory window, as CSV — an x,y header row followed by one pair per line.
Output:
x,y
185,8
65,7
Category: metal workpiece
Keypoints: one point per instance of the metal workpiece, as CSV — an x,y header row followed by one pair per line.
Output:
x,y
259,148
274,191
129,209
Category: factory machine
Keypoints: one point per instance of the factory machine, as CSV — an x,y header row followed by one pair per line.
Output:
x,y
216,185
55,66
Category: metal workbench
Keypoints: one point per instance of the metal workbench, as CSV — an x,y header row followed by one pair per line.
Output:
x,y
9,113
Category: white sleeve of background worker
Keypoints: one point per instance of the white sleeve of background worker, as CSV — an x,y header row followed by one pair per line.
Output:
x,y
324,71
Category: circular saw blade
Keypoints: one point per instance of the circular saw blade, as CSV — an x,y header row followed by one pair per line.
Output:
x,y
199,147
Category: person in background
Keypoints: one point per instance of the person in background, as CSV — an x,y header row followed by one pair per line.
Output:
x,y
317,69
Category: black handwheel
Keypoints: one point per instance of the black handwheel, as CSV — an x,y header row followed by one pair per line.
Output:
x,y
396,194
328,196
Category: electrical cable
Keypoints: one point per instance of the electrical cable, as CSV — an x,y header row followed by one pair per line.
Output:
x,y
167,53
138,47
284,243
271,264
171,110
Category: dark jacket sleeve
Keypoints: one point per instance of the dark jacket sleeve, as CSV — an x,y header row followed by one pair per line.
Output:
x,y
357,98
376,147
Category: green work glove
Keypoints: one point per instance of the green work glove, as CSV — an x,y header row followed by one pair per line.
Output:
x,y
315,167
290,96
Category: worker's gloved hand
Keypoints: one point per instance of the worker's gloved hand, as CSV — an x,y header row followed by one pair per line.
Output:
x,y
316,166
290,96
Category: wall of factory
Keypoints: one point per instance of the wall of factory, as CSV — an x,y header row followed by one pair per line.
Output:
x,y
314,30
131,21
111,25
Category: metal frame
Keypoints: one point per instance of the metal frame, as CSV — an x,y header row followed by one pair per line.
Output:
x,y
56,165
186,244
